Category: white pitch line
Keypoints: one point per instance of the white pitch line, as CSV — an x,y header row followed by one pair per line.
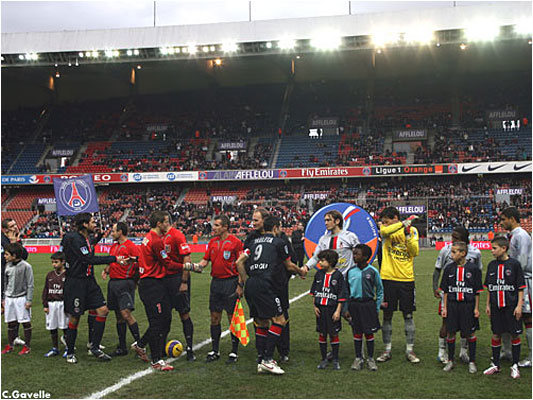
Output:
x,y
133,377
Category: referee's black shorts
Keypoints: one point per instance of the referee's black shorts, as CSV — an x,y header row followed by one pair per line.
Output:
x,y
263,302
461,318
80,294
502,320
400,292
121,294
222,294
180,301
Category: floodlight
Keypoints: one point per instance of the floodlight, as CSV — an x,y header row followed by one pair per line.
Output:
x,y
381,38
163,50
205,49
192,49
129,53
485,30
462,46
27,56
139,66
268,45
170,50
34,56
116,53
523,27
177,50
58,74
229,47
286,43
21,57
212,48
95,53
109,53
422,35
326,41
81,54
88,54
135,52
218,62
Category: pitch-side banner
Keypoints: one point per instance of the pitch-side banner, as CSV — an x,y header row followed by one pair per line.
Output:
x,y
495,167
76,195
481,245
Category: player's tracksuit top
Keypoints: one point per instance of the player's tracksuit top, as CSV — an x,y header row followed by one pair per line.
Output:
x,y
126,249
398,252
473,256
461,282
177,249
53,287
343,243
365,284
223,255
503,281
80,257
328,289
520,249
19,280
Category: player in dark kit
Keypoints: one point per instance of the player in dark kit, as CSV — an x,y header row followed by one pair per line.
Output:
x,y
461,284
81,292
505,283
297,240
266,256
223,251
329,292
178,282
121,287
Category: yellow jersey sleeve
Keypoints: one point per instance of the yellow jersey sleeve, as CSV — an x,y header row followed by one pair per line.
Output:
x,y
399,252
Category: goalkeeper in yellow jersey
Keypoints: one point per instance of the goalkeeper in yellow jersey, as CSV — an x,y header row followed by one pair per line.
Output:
x,y
399,248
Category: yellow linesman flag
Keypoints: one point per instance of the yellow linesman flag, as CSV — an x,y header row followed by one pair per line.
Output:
x,y
238,324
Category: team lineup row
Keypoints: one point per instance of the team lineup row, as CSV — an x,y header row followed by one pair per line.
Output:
x,y
345,286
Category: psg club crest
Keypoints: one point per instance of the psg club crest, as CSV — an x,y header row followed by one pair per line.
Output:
x,y
75,195
356,220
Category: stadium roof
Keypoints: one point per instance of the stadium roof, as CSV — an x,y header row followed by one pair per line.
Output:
x,y
53,44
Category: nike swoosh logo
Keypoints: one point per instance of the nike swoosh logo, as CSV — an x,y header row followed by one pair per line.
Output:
x,y
491,168
517,168
466,169
492,273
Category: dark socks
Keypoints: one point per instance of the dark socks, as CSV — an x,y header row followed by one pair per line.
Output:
x,y
516,349
188,330
91,317
72,332
451,348
323,346
12,332
261,334
121,330
27,333
335,347
216,330
98,331
134,329
274,334
370,345
496,347
234,344
55,338
472,341
358,344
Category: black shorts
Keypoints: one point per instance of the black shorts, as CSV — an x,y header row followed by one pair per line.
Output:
x,y
222,294
399,292
80,294
461,318
324,322
364,316
121,294
180,301
263,302
155,299
502,320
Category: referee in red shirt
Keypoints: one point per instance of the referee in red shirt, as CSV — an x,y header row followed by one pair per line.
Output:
x,y
223,251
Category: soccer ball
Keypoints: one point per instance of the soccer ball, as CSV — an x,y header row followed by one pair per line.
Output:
x,y
174,348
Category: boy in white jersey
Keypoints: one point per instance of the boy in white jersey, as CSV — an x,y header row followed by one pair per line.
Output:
x,y
342,241
520,250
459,234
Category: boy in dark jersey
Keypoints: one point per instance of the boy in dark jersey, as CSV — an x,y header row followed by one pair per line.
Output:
x,y
329,292
461,284
53,302
505,283
265,257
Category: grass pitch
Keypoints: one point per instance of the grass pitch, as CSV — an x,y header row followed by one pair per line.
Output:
x,y
394,379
